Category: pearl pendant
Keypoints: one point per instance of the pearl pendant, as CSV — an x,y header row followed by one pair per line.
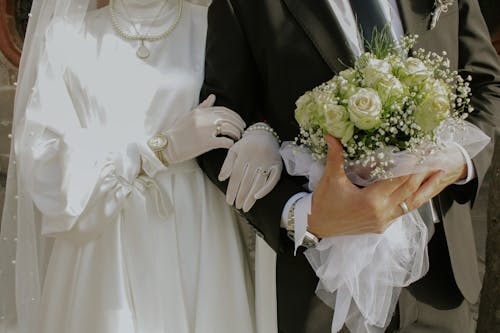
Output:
x,y
142,51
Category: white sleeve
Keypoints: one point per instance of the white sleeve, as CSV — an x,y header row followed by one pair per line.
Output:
x,y
301,212
286,209
471,172
79,175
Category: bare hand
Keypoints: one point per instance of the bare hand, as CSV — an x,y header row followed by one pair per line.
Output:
x,y
341,208
436,182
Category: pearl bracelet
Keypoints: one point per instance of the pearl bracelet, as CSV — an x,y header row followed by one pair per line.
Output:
x,y
263,127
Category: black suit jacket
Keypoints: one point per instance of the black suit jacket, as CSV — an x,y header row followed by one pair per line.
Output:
x,y
263,54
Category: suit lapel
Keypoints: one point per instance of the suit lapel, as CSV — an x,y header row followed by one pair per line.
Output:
x,y
322,27
416,15
320,24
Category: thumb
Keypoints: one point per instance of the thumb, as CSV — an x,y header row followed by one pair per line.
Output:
x,y
335,157
208,102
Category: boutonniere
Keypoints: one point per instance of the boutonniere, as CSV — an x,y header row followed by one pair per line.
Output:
x,y
440,6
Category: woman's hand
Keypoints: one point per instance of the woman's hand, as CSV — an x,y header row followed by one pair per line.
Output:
x,y
253,166
201,130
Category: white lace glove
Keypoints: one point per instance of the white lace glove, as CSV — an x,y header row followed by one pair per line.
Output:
x,y
201,130
254,166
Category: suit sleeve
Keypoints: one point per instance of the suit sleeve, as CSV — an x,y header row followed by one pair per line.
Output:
x,y
477,56
232,75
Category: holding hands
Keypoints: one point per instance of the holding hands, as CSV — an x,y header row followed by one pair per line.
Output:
x,y
253,164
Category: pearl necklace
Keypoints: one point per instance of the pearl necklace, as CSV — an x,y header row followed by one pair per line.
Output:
x,y
143,52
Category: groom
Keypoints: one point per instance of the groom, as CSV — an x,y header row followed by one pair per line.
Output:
x,y
263,54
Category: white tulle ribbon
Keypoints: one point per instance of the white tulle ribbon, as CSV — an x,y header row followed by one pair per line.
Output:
x,y
369,270
361,275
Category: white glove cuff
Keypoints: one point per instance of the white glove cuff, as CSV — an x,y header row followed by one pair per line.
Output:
x,y
263,127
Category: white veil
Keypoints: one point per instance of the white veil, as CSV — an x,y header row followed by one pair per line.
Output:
x,y
24,253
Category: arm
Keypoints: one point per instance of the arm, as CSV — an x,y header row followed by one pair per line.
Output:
x,y
231,74
477,56
78,171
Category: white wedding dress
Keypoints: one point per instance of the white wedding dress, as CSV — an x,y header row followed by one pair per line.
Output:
x,y
132,254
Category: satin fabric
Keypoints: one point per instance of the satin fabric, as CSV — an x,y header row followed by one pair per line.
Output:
x,y
154,253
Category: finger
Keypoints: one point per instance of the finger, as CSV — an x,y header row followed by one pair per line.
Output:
x,y
272,180
259,181
220,119
227,166
230,116
208,102
233,123
429,189
222,142
409,187
245,185
335,157
235,180
230,130
387,186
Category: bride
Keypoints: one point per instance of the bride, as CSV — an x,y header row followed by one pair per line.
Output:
x,y
109,224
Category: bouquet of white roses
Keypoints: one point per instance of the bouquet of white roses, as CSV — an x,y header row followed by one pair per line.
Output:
x,y
395,115
387,102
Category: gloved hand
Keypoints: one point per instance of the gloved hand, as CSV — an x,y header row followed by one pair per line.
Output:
x,y
201,130
254,166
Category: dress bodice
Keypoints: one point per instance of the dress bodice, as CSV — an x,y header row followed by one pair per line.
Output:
x,y
110,87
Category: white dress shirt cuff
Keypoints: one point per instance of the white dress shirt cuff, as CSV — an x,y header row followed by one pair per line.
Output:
x,y
471,172
303,204
286,209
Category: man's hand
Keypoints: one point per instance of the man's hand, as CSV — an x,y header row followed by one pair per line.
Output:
x,y
341,208
436,182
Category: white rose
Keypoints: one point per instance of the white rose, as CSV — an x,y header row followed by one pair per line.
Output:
x,y
435,87
389,88
374,70
415,71
431,112
306,110
337,122
349,75
368,60
371,77
365,108
348,90
381,66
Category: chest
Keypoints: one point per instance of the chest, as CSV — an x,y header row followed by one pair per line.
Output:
x,y
109,83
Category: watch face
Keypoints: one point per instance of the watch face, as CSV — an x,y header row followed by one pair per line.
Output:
x,y
157,142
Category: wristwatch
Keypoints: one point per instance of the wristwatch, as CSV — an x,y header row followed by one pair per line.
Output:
x,y
309,239
158,143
